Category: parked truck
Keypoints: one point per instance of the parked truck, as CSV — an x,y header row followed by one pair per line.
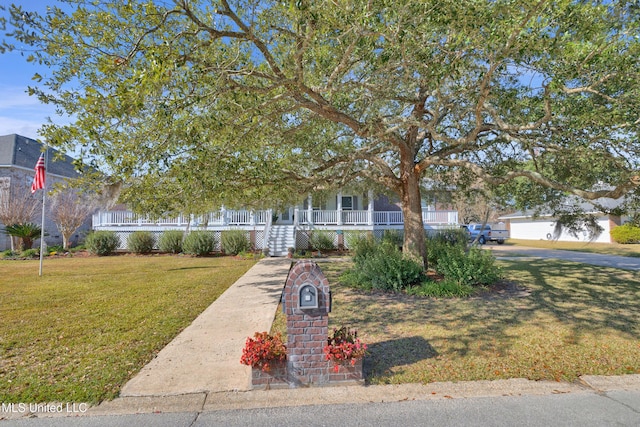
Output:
x,y
486,234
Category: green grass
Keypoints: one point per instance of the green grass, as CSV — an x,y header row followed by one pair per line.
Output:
x,y
557,321
597,248
80,331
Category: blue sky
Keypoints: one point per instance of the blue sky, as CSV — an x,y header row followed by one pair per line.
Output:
x,y
19,112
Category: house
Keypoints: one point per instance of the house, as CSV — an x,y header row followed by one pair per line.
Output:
x,y
18,157
343,215
528,226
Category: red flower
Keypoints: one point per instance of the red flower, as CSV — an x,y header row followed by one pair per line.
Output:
x,y
263,349
344,346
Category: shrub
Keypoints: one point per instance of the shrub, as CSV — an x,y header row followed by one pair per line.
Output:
x,y
476,267
78,248
30,253
55,249
362,248
140,242
321,241
171,241
351,237
234,241
440,242
102,243
626,234
382,266
9,254
199,243
394,237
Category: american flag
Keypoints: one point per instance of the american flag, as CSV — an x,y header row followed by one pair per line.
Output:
x,y
38,180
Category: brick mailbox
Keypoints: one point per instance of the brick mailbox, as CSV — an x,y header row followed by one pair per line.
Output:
x,y
306,302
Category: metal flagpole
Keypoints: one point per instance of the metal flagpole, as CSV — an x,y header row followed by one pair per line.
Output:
x,y
44,197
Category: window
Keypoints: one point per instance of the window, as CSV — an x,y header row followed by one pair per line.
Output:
x,y
348,203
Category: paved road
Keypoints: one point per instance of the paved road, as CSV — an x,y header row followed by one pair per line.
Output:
x,y
588,408
626,263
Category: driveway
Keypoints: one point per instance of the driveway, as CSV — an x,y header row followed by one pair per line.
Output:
x,y
625,263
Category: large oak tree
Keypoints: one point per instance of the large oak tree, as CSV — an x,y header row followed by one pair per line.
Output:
x,y
194,104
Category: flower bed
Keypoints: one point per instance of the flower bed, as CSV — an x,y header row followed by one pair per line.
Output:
x,y
263,351
345,348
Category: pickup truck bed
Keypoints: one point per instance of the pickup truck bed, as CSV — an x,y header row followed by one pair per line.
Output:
x,y
488,234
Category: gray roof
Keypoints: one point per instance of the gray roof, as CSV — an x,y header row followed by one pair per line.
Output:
x,y
16,150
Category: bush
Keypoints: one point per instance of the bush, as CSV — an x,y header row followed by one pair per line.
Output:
x,y
362,248
199,243
382,266
102,243
626,234
55,249
476,267
30,253
234,241
321,241
394,237
440,242
140,242
461,267
9,254
171,241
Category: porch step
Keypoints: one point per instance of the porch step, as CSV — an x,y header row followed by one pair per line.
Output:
x,y
281,237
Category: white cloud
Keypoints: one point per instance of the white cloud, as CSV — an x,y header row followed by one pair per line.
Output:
x,y
9,125
17,97
23,114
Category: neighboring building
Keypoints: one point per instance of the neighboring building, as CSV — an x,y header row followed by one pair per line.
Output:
x,y
527,226
18,157
343,214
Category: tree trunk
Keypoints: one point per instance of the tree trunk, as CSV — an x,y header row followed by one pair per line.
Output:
x,y
414,234
65,240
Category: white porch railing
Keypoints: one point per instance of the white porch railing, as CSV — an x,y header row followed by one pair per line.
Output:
x,y
388,218
325,217
248,218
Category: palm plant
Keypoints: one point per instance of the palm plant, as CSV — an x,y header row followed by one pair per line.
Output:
x,y
26,234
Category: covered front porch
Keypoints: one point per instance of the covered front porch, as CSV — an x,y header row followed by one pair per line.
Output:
x,y
340,209
293,216
277,230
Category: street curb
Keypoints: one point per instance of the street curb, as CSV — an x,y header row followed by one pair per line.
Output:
x,y
253,399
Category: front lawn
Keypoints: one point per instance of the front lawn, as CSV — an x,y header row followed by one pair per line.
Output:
x,y
89,324
555,320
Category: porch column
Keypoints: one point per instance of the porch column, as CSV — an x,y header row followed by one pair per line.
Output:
x,y
252,217
309,209
339,206
223,215
296,213
370,207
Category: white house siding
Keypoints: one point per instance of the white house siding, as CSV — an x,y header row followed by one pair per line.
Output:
x,y
542,229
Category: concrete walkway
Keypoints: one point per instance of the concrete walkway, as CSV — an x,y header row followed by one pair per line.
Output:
x,y
205,356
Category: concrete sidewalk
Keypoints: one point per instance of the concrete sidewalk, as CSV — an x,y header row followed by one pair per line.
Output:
x,y
205,356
